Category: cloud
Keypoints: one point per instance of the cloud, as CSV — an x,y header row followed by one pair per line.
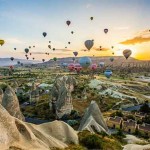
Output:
x,y
101,49
140,37
14,41
121,28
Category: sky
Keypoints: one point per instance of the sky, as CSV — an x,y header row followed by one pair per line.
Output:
x,y
23,22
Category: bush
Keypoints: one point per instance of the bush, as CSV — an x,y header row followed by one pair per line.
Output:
x,y
91,141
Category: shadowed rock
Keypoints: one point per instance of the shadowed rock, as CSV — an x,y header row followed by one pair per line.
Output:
x,y
16,134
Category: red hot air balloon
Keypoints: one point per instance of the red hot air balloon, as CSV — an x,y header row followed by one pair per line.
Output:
x,y
94,67
71,67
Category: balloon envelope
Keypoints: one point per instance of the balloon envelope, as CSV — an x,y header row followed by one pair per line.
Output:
x,y
75,53
26,50
105,30
44,34
2,42
88,44
108,73
85,62
68,22
101,64
127,53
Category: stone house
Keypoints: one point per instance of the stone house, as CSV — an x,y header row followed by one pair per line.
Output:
x,y
114,122
144,129
129,126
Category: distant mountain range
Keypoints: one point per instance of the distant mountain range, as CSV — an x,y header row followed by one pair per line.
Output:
x,y
117,60
8,62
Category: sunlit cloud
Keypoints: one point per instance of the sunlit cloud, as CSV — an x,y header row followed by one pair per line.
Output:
x,y
140,37
101,49
121,28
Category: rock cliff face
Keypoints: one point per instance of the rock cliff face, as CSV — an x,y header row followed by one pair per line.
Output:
x,y
93,120
61,95
16,134
11,104
1,96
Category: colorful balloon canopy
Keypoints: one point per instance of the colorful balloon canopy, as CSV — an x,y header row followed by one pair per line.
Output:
x,y
127,53
101,64
55,59
88,44
2,42
108,73
85,62
75,53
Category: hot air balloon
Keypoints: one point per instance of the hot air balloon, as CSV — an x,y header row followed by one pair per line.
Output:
x,y
43,60
49,46
101,64
14,48
75,54
26,55
113,53
27,58
2,42
71,67
55,59
77,67
33,58
29,46
18,62
94,67
68,22
65,47
11,58
53,49
112,47
69,42
106,30
111,59
127,53
49,41
72,32
85,62
44,34
33,46
30,53
108,73
89,44
11,67
64,64
91,18
26,50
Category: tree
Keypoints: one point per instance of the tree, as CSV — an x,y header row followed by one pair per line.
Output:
x,y
145,108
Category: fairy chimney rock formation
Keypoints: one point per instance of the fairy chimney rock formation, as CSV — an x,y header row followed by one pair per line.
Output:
x,y
61,94
11,104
